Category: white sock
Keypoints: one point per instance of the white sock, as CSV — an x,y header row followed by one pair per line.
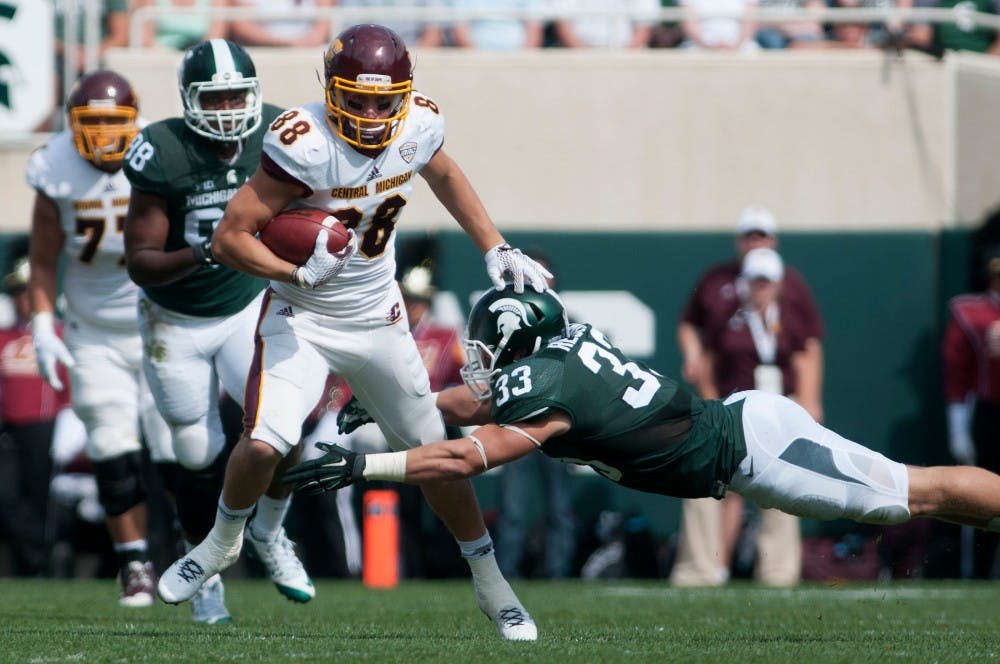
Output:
x,y
138,545
229,523
270,515
492,589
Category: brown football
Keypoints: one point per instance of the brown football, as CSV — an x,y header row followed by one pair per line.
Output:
x,y
292,234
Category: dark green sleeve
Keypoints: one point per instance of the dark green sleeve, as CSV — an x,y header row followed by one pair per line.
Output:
x,y
144,163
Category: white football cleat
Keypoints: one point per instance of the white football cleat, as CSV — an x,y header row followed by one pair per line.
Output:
x,y
209,603
515,624
283,566
187,575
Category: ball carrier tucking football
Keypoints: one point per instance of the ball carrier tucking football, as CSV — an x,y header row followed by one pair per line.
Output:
x,y
293,234
354,155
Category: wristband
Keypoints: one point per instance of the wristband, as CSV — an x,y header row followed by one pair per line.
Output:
x,y
388,466
203,253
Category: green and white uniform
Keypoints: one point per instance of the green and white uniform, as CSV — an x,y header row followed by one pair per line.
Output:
x,y
634,426
197,331
643,430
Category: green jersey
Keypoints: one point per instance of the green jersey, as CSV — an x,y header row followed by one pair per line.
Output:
x,y
168,160
631,424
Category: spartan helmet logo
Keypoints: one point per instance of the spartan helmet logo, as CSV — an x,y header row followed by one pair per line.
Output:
x,y
512,317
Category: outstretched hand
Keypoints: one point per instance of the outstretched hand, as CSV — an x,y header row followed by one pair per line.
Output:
x,y
505,259
337,468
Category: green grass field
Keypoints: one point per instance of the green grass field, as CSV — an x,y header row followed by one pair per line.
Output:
x,y
55,621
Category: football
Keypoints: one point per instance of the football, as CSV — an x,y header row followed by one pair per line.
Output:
x,y
292,234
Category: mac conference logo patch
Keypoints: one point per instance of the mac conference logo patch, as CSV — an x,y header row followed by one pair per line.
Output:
x,y
407,151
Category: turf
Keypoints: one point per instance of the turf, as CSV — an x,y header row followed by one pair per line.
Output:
x,y
54,621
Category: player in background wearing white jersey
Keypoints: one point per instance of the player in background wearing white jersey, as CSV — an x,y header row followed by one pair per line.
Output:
x,y
81,196
354,156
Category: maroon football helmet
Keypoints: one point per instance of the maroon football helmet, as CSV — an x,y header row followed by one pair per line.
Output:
x,y
103,110
368,67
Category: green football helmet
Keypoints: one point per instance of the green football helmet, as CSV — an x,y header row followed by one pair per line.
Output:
x,y
209,74
505,326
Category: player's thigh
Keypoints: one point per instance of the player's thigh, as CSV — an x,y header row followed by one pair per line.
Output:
x,y
286,381
177,363
105,388
395,389
799,466
235,352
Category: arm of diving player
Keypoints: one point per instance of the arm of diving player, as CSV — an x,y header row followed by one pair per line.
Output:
x,y
459,408
234,242
461,458
453,189
145,234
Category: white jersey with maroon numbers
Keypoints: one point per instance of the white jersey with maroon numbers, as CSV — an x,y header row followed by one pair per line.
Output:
x,y
366,193
92,206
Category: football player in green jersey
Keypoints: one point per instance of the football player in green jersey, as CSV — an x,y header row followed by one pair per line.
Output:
x,y
540,384
198,317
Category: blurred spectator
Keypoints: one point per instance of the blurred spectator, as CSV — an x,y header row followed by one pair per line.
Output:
x,y
668,34
182,29
417,34
553,477
496,34
281,31
113,25
28,409
603,31
962,35
723,33
859,35
710,528
971,356
799,34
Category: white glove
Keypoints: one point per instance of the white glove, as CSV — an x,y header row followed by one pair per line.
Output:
x,y
323,266
49,348
959,437
505,258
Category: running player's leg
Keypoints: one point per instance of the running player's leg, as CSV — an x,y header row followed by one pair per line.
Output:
x,y
105,388
394,388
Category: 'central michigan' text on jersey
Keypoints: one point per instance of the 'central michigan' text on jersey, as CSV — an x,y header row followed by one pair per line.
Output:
x,y
168,160
365,192
634,426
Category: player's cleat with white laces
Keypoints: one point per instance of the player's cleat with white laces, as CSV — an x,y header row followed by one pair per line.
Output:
x,y
138,584
283,566
515,624
187,575
209,603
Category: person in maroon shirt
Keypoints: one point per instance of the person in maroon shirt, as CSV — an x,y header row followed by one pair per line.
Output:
x,y
710,528
971,357
28,409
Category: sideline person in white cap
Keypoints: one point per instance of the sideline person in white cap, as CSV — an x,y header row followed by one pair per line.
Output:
x,y
710,528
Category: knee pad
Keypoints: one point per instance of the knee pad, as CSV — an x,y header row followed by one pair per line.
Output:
x,y
196,444
120,485
198,496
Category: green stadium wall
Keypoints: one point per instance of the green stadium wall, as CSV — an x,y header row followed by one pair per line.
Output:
x,y
882,295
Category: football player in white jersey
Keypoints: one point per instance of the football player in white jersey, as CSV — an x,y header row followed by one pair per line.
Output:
x,y
354,155
81,197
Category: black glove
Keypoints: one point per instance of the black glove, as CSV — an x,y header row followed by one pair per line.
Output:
x,y
334,470
351,416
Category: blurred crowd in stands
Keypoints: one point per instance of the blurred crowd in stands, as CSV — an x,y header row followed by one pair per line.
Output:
x,y
181,23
